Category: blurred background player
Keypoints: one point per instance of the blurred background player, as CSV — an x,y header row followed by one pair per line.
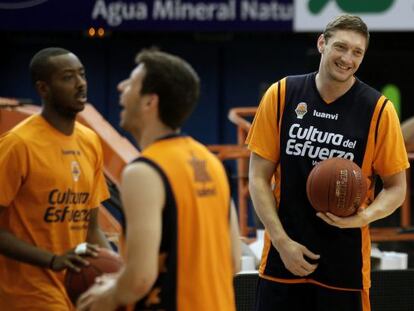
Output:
x,y
312,263
51,185
182,238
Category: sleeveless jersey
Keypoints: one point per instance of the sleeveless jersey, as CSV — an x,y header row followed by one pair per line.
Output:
x,y
195,261
306,130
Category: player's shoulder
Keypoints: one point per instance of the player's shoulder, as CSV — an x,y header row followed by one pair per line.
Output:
x,y
25,129
300,84
302,78
208,155
303,81
291,80
88,138
199,146
22,135
142,169
366,92
84,130
86,134
11,139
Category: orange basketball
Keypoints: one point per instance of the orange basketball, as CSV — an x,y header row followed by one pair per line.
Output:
x,y
77,283
336,185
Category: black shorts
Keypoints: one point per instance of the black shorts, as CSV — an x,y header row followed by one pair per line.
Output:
x,y
274,296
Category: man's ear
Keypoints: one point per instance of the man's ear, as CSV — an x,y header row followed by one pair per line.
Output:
x,y
42,88
321,43
153,101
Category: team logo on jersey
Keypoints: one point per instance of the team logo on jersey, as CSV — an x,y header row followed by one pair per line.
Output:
x,y
202,177
75,168
301,110
201,174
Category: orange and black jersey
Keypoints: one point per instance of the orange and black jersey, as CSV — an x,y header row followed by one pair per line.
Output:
x,y
295,128
195,263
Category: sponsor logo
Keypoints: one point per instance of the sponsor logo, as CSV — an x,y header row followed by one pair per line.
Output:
x,y
62,206
352,6
325,115
340,189
55,214
117,12
71,152
318,145
68,197
75,169
301,110
201,177
381,15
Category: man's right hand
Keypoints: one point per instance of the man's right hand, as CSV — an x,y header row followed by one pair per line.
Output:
x,y
293,256
73,261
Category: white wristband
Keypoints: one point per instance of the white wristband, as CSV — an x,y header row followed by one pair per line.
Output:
x,y
81,249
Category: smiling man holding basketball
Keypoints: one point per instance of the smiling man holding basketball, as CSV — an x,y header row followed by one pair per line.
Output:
x,y
311,261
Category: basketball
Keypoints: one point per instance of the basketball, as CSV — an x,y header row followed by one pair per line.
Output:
x,y
77,283
336,185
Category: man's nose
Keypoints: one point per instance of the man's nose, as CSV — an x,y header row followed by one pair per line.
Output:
x,y
348,57
81,80
121,85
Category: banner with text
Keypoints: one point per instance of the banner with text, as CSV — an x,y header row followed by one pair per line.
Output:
x,y
147,15
380,15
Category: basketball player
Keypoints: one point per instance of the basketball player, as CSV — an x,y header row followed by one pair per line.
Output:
x,y
320,261
182,235
51,183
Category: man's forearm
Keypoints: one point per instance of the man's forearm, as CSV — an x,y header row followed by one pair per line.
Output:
x,y
97,236
13,247
389,199
265,205
129,288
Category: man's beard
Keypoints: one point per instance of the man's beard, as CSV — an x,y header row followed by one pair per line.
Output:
x,y
68,113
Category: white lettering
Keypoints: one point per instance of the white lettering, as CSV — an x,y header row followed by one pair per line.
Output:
x,y
325,115
262,11
116,12
202,11
99,10
315,135
300,143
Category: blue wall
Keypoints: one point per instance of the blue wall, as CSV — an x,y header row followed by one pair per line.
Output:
x,y
234,69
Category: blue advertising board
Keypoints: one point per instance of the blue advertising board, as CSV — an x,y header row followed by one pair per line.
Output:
x,y
147,15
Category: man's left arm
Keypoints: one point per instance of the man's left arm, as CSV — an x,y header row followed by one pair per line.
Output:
x,y
95,234
390,163
143,197
388,200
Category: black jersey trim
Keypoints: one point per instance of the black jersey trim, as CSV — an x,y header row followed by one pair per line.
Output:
x,y
172,135
158,169
378,120
169,289
278,104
